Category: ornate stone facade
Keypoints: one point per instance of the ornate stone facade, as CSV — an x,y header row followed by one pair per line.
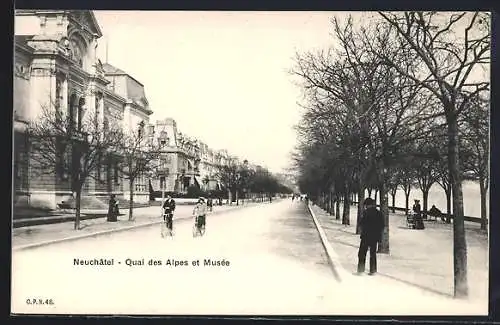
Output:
x,y
56,66
186,161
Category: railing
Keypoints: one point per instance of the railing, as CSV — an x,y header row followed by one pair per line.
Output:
x,y
466,218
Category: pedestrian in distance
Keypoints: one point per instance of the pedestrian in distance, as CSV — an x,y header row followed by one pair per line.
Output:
x,y
418,215
372,225
112,209
416,208
210,204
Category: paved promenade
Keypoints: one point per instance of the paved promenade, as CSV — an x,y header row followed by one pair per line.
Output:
x,y
33,235
421,258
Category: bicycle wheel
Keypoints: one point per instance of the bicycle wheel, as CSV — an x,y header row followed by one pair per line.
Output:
x,y
170,228
162,229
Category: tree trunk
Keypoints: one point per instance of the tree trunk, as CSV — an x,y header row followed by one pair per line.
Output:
x,y
131,199
448,204
483,190
361,199
459,241
237,198
369,192
393,195
337,207
384,208
78,201
347,209
327,203
407,199
425,195
229,197
332,204
375,198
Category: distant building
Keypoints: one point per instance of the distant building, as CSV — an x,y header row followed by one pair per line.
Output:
x,y
55,65
185,161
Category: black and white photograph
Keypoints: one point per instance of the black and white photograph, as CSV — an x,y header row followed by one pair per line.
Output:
x,y
170,162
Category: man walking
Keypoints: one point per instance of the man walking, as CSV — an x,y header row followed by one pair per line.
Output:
x,y
372,225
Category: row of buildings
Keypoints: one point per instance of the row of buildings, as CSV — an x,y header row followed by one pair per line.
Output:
x,y
56,65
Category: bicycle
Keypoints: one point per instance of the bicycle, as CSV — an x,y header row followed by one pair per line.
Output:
x,y
167,227
198,227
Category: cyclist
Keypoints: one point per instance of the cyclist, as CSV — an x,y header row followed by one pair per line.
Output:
x,y
200,212
168,211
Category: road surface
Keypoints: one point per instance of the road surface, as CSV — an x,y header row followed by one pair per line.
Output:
x,y
268,260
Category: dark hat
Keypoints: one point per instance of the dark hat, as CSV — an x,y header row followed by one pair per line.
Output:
x,y
369,201
417,200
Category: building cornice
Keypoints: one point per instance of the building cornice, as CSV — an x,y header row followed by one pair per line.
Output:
x,y
79,72
24,48
134,105
115,96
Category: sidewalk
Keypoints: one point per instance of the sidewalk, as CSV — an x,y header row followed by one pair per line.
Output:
x,y
32,235
421,258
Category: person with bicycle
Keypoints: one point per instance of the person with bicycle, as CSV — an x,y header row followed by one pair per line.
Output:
x,y
200,212
168,211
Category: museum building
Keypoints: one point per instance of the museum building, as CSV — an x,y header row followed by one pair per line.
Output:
x,y
55,65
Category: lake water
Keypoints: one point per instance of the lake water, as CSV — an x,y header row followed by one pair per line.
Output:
x,y
472,203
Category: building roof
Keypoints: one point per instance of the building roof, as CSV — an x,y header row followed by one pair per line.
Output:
x,y
112,70
134,94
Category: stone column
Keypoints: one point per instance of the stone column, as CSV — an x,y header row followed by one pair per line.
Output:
x,y
92,108
42,97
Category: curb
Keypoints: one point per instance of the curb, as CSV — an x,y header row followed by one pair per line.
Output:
x,y
333,259
105,232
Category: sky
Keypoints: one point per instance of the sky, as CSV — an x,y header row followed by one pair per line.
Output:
x,y
223,76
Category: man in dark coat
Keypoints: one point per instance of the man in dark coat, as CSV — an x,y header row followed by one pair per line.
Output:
x,y
112,209
168,207
419,219
372,225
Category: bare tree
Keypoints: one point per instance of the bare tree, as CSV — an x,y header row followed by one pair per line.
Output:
x,y
70,147
475,142
448,50
140,156
427,159
228,176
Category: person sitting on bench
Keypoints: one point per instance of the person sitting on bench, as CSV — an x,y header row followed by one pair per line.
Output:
x,y
435,212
